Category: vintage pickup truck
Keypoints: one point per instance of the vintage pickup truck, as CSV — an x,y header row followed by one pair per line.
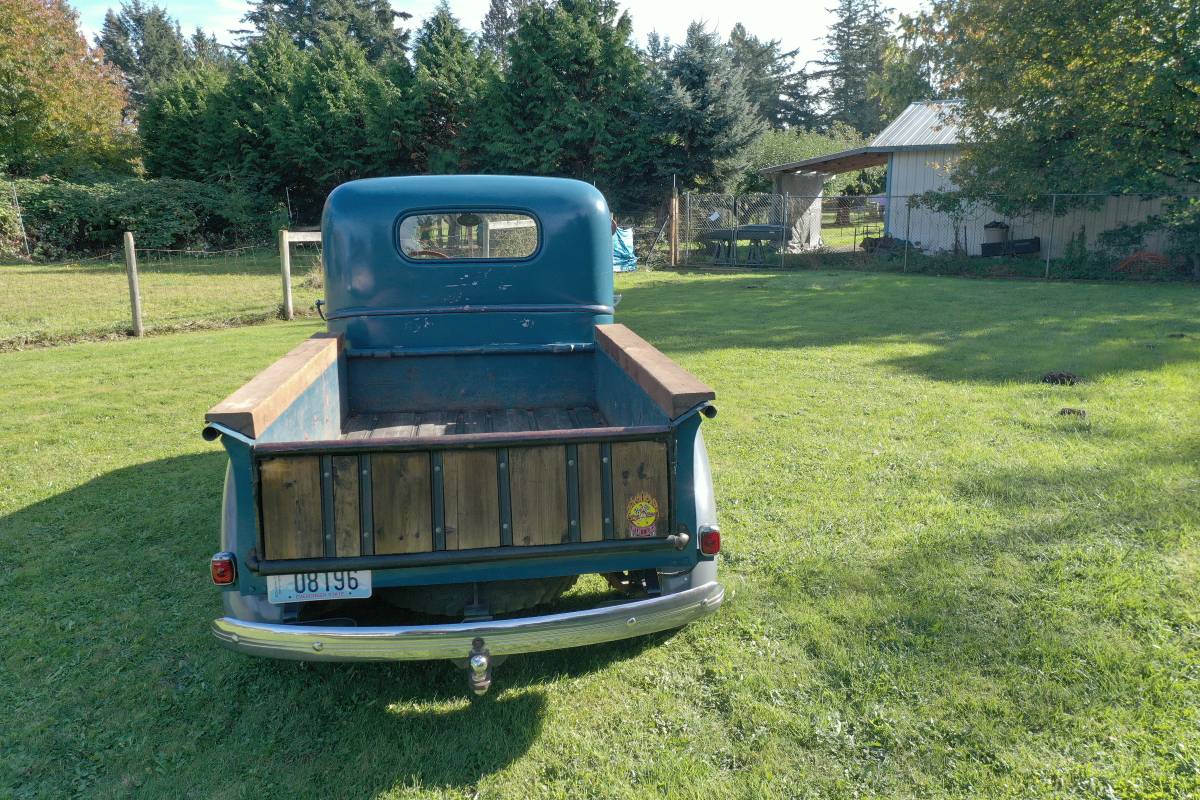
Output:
x,y
470,435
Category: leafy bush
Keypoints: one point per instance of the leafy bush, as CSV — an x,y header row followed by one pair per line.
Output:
x,y
10,226
65,219
785,146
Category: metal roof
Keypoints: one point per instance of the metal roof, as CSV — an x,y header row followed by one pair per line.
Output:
x,y
923,124
844,161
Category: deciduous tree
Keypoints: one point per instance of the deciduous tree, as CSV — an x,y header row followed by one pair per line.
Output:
x,y
60,104
1078,96
908,70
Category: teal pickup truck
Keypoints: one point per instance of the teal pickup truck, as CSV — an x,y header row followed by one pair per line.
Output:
x,y
470,435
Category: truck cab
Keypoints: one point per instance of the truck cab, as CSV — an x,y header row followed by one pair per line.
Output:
x,y
471,434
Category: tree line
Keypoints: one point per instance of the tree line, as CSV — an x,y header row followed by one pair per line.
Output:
x,y
1067,96
322,91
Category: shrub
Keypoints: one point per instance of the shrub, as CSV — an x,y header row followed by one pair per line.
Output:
x,y
64,219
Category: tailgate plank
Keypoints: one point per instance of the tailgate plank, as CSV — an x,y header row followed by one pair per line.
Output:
x,y
402,512
639,472
538,488
472,499
591,497
347,538
290,491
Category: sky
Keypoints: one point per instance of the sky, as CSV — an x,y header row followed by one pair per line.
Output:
x,y
799,24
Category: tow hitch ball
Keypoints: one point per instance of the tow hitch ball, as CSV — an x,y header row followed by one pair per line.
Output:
x,y
479,668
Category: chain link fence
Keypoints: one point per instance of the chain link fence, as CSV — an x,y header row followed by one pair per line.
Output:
x,y
734,230
1056,235
651,235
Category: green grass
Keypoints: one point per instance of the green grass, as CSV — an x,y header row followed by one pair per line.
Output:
x,y
73,301
939,587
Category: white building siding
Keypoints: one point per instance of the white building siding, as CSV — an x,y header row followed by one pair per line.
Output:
x,y
914,172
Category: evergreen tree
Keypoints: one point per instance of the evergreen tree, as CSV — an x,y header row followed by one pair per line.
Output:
x,y
499,24
205,47
776,90
175,127
853,53
573,103
371,23
704,113
449,81
284,119
657,55
256,103
145,44
323,132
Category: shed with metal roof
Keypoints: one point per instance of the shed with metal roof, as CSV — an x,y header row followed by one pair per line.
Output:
x,y
924,125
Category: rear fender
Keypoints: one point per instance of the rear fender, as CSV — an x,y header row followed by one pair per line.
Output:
x,y
703,511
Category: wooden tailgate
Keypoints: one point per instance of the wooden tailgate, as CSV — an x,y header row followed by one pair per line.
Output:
x,y
384,503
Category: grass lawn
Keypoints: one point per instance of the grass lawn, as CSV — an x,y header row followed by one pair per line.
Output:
x,y
72,301
940,587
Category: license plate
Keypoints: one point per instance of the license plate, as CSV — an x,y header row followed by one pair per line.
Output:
x,y
307,586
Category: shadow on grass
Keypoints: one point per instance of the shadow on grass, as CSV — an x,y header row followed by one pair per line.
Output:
x,y
1055,611
107,592
966,329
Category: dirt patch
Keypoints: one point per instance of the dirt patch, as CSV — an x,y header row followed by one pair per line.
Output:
x,y
1061,378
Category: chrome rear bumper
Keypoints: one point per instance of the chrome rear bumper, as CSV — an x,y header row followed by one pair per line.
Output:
x,y
503,637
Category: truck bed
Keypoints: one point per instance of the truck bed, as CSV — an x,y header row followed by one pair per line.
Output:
x,y
450,422
378,460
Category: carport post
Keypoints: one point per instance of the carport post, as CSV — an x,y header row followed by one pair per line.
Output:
x,y
135,292
285,266
1050,242
786,235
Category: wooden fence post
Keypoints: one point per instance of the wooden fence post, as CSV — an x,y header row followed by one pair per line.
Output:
x,y
674,228
285,266
135,293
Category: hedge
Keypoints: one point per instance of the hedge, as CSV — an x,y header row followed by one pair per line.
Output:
x,y
68,219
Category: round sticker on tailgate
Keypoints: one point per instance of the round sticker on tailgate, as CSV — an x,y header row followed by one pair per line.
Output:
x,y
642,513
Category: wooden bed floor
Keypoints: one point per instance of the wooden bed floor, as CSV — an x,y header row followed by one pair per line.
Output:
x,y
451,423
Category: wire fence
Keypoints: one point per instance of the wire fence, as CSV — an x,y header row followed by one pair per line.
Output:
x,y
651,235
1054,236
1057,235
175,289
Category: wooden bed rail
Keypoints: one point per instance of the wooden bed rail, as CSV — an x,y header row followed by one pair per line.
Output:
x,y
670,386
256,405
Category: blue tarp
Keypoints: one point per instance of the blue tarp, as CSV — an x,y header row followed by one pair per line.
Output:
x,y
623,258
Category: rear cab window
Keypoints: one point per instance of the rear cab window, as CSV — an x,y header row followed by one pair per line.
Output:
x,y
468,236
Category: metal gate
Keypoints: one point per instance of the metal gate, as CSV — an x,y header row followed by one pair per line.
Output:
x,y
735,230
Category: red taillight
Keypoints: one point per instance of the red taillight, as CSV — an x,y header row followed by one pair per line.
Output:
x,y
224,569
710,541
